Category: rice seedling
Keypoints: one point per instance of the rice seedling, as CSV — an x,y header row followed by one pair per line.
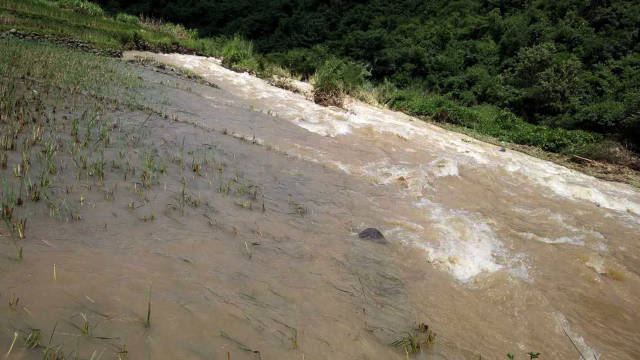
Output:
x,y
54,354
97,168
122,352
245,204
32,338
80,160
7,142
62,208
20,253
36,133
50,150
147,323
91,124
19,170
225,188
13,302
195,166
7,212
19,227
15,336
105,134
297,208
109,195
145,179
414,341
74,128
3,160
85,327
34,192
45,181
26,159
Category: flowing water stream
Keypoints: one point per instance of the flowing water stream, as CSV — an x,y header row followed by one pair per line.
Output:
x,y
495,250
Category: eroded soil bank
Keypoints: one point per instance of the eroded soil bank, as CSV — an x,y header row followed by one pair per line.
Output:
x,y
245,238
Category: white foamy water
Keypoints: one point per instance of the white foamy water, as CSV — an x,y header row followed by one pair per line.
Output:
x,y
573,240
444,167
325,121
465,244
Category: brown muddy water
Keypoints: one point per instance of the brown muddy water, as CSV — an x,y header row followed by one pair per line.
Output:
x,y
247,246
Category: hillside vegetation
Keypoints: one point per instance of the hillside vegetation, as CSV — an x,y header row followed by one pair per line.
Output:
x,y
570,63
563,76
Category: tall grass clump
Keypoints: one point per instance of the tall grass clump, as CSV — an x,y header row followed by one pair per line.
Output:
x,y
177,30
336,78
238,54
126,18
82,6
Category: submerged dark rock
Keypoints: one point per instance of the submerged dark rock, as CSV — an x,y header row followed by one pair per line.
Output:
x,y
372,234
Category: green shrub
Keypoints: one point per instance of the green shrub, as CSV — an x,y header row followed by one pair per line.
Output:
x,y
327,87
82,6
335,78
237,54
386,91
211,46
605,115
126,18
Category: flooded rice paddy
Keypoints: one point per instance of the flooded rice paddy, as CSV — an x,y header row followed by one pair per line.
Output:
x,y
243,244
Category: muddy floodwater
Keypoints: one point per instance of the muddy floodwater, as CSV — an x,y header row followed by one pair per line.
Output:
x,y
252,251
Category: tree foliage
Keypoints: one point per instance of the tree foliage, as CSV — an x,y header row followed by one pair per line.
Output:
x,y
573,64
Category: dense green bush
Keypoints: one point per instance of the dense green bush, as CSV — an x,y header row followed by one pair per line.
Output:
x,y
493,121
327,87
238,54
335,78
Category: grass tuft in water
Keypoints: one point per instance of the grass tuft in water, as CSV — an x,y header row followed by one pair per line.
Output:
x,y
415,340
32,338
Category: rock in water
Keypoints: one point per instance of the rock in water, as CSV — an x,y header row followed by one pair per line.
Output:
x,y
372,234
